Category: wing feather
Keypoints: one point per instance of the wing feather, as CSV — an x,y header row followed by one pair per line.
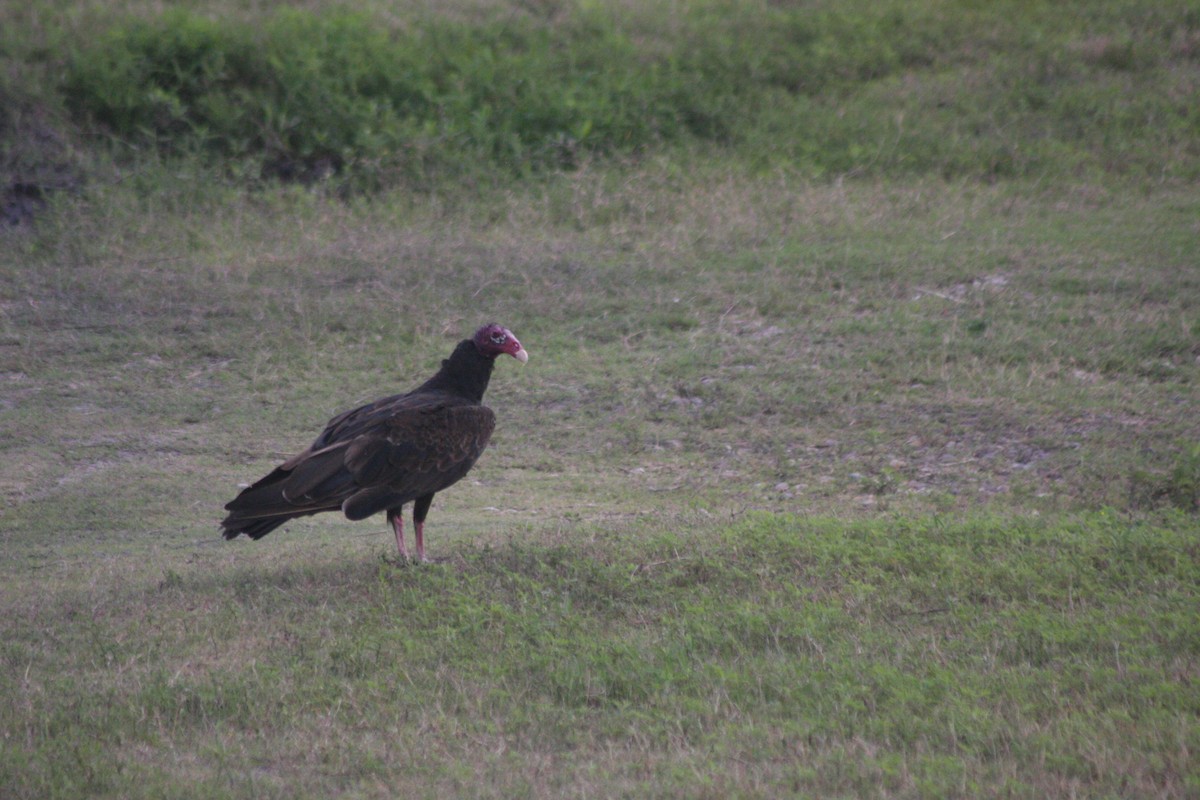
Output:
x,y
379,456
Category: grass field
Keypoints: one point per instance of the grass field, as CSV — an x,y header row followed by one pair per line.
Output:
x,y
875,481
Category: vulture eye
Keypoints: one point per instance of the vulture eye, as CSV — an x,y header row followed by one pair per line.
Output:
x,y
498,338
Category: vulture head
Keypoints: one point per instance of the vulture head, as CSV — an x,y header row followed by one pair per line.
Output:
x,y
492,340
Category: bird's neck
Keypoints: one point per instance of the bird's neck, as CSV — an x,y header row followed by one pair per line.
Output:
x,y
465,373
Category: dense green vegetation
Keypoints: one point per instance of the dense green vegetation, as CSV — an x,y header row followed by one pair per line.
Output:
x,y
857,454
895,88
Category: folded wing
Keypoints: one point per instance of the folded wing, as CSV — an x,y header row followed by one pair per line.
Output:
x,y
375,457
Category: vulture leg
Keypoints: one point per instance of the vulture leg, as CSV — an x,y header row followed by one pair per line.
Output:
x,y
420,510
396,517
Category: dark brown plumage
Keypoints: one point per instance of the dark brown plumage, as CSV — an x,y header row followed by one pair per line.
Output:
x,y
381,456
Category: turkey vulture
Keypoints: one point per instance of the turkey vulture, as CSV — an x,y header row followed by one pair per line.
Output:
x,y
393,451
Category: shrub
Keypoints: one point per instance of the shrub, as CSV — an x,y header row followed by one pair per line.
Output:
x,y
886,88
311,94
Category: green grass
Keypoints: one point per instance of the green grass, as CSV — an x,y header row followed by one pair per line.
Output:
x,y
833,472
379,97
770,508
775,654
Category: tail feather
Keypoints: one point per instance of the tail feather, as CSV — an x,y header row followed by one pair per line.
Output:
x,y
309,483
263,507
260,501
254,528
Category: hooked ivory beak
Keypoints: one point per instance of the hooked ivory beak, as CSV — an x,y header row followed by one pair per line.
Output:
x,y
521,355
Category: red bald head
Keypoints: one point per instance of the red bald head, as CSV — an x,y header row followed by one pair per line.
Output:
x,y
493,339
